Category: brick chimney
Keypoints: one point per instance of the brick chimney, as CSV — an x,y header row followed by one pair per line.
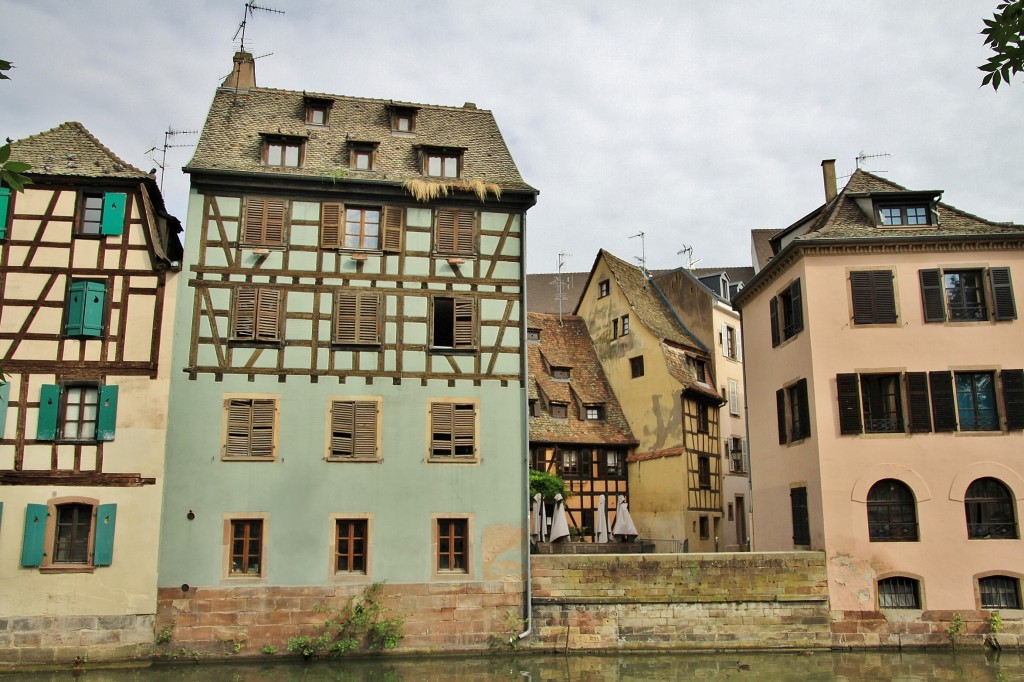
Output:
x,y
828,171
243,72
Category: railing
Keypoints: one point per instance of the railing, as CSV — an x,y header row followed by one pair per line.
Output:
x,y
891,424
992,530
893,532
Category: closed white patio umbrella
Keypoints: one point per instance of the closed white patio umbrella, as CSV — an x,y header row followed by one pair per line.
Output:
x,y
539,522
623,528
601,524
559,521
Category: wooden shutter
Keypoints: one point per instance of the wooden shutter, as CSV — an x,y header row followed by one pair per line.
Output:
x,y
342,428
918,407
357,317
268,314
444,231
798,310
5,399
455,231
1003,307
464,323
849,403
466,233
368,330
354,429
346,310
1013,398
874,301
393,229
943,401
34,540
365,436
239,427
75,322
932,295
803,409
780,405
95,300
5,206
103,549
250,427
107,420
464,430
245,314
263,427
330,224
773,309
263,223
441,419
49,408
113,213
801,519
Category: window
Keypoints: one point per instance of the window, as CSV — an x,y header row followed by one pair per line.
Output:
x,y
357,318
101,213
455,232
69,533
533,335
351,547
999,592
354,430
569,464
559,411
892,512
636,366
257,314
603,288
534,407
611,464
452,545
403,120
700,371
362,228
365,228
362,156
895,215
734,397
874,301
793,412
705,528
560,373
250,428
737,455
625,325
453,323
959,295
704,472
595,413
703,418
976,401
615,328
799,512
453,431
786,312
85,309
77,412
442,163
263,223
246,553
317,111
877,399
285,152
990,511
899,593
730,339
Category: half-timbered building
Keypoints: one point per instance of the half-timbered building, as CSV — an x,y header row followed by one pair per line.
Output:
x,y
351,377
87,253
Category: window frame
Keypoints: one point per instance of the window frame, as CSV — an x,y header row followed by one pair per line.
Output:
x,y
86,318
258,322
873,298
464,335
994,286
51,424
890,502
884,214
446,159
737,465
363,409
365,520
264,223
357,318
112,216
980,510
559,410
800,515
226,427
594,413
463,522
227,566
456,232
999,586
312,106
704,478
398,114
786,315
603,288
363,238
613,471
897,589
40,542
793,407
282,144
436,427
357,150
968,402
636,366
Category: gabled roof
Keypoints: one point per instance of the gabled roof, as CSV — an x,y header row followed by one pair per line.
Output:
x,y
761,248
71,150
542,291
683,372
570,343
734,273
238,119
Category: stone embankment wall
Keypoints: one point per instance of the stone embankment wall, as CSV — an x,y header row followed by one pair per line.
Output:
x,y
58,640
680,601
900,628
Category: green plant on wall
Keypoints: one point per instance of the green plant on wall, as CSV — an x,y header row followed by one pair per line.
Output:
x,y
548,485
507,633
995,623
362,624
164,636
956,626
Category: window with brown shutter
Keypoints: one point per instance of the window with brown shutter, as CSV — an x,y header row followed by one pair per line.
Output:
x,y
393,229
874,301
330,225
786,313
257,314
354,430
960,295
453,323
919,415
357,318
453,431
455,232
793,411
263,222
943,401
1013,398
251,428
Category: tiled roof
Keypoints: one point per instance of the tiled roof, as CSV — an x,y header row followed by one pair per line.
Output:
x,y
682,371
656,454
542,291
761,245
570,342
231,138
71,150
735,273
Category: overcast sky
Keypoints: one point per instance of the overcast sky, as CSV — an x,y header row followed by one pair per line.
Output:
x,y
692,122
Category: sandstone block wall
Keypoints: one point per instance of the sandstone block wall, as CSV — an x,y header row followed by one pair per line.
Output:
x,y
901,628
58,640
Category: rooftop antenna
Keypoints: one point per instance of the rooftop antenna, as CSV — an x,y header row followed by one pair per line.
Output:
x,y
643,252
690,262
864,157
162,163
561,286
251,7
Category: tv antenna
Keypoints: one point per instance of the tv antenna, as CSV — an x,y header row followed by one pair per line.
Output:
x,y
561,286
643,252
864,157
162,163
251,7
690,262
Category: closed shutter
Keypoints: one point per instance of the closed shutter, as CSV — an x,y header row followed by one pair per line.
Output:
x,y
391,241
739,344
874,301
95,296
107,420
268,315
330,225
357,318
250,427
369,317
33,542
5,207
918,407
804,410
49,407
263,428
346,310
943,401
354,429
773,309
75,322
5,399
780,406
239,427
342,428
113,213
801,520
1003,306
444,231
464,430
849,403
455,232
798,310
245,314
1013,398
464,323
103,550
263,223
441,418
932,295
365,444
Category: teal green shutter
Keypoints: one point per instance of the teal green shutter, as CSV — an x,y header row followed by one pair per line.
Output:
x,y
35,535
95,304
1,511
5,204
113,213
75,306
103,554
108,413
49,403
5,393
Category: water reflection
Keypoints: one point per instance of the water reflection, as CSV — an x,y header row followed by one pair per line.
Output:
x,y
739,667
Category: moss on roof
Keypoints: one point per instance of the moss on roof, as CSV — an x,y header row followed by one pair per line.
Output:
x,y
71,150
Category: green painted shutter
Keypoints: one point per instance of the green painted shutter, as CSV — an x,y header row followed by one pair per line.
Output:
x,y
1,511
49,403
35,535
107,414
113,213
95,304
103,553
76,309
5,394
5,204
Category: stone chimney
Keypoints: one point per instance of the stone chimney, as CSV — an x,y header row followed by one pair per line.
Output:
x,y
243,72
828,171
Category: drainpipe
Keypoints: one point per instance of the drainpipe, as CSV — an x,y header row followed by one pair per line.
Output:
x,y
524,368
749,521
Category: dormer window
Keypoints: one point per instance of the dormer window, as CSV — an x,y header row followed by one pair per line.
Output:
x,y
317,111
442,163
533,335
362,155
898,215
283,151
595,413
700,369
559,410
560,373
403,120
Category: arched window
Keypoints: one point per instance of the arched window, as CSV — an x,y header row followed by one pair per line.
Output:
x,y
999,592
899,592
892,512
989,507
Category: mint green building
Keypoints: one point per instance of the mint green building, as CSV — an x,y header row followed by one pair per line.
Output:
x,y
347,399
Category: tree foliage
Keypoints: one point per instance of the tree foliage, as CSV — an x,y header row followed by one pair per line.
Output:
x,y
1004,33
11,171
548,485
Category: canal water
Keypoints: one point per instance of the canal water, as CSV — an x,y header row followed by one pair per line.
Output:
x,y
972,666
